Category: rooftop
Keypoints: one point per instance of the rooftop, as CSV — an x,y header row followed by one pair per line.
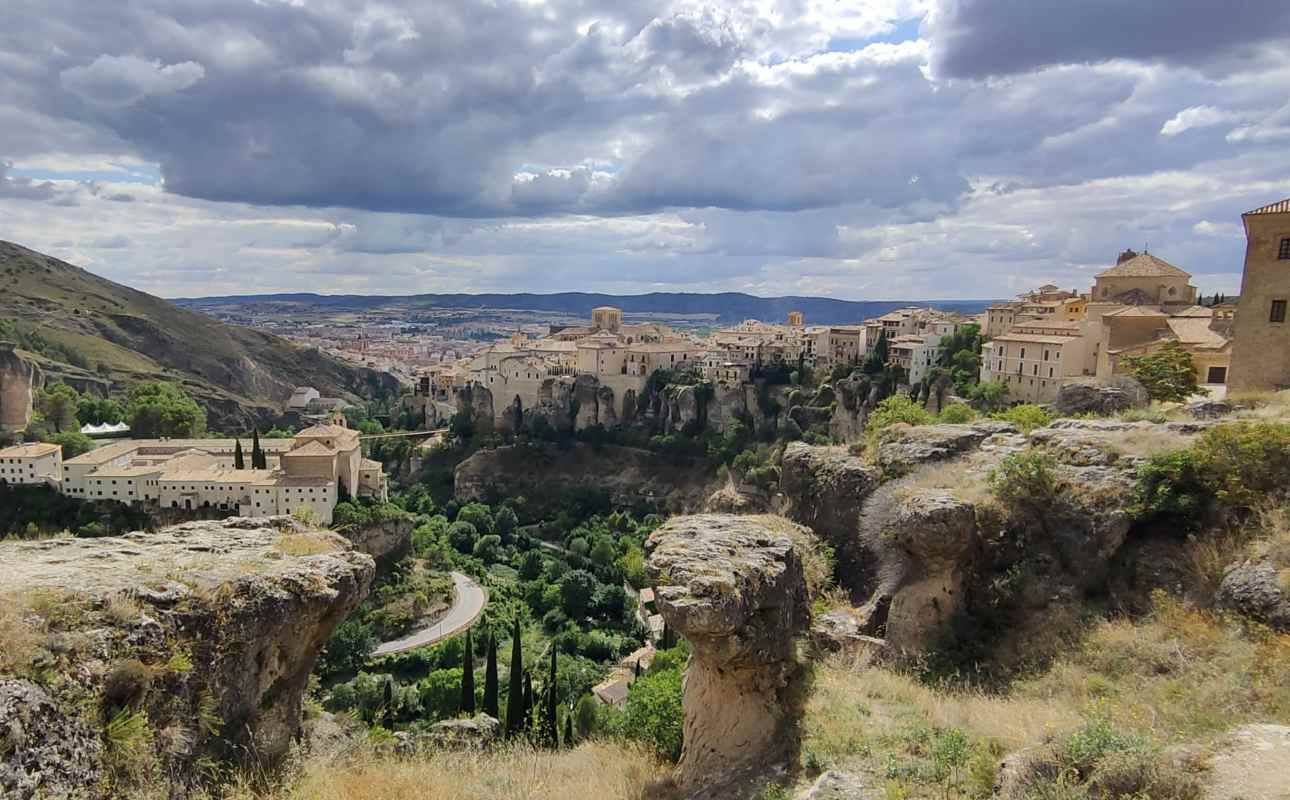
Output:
x,y
1281,207
1195,331
1144,265
30,450
1036,338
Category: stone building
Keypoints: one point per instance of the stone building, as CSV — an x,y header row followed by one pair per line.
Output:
x,y
1142,279
1261,334
35,463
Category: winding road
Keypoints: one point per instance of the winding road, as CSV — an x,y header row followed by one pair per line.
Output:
x,y
468,603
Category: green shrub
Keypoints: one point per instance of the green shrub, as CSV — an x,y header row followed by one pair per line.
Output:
x,y
898,408
957,414
1168,374
653,712
1026,416
1230,468
1027,482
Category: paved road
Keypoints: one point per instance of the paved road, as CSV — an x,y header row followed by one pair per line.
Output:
x,y
466,607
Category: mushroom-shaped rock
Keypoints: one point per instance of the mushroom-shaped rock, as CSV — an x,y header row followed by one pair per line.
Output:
x,y
735,589
939,532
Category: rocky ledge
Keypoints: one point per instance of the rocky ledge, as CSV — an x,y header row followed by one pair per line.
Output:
x,y
735,589
132,660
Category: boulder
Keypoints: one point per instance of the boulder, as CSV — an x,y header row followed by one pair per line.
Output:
x,y
939,532
735,589
1258,590
835,785
1210,409
824,488
475,733
208,629
387,541
1116,394
843,631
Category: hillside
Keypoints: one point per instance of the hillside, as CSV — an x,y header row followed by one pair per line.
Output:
x,y
96,333
728,307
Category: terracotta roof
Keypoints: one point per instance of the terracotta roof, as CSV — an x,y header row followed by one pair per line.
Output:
x,y
1194,311
1282,207
1136,311
1035,338
325,431
1144,266
31,450
1195,331
311,449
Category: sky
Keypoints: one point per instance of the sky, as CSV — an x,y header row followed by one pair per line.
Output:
x,y
871,149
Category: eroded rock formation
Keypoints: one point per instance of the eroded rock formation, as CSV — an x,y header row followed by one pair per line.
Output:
x,y
19,379
205,633
735,589
1110,396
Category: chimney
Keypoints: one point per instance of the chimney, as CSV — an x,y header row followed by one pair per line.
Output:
x,y
1125,256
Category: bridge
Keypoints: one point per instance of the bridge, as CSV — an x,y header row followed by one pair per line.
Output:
x,y
436,433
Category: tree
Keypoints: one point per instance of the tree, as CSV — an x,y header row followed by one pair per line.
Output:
x,y
74,443
258,460
462,536
576,590
57,404
488,548
587,714
1168,374
387,718
568,728
468,677
490,680
530,565
163,409
550,718
239,460
878,359
92,410
515,689
989,396
527,718
477,514
505,521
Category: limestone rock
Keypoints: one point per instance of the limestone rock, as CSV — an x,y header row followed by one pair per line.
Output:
x,y
1100,397
386,541
1255,589
44,752
1210,409
940,533
1250,762
735,589
825,487
904,447
475,733
19,379
835,785
249,603
844,631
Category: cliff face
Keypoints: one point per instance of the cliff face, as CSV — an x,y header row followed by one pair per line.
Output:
x,y
19,380
135,660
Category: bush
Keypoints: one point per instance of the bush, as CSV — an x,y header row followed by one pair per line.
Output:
x,y
957,414
898,408
653,712
1230,468
1026,416
1168,374
1027,483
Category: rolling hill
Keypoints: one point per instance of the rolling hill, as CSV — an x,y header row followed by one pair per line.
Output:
x,y
96,334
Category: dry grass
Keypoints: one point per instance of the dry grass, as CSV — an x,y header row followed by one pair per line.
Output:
x,y
122,610
306,544
591,771
817,556
1146,442
22,633
962,478
1261,405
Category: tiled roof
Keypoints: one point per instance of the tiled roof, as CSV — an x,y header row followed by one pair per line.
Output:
x,y
1282,207
32,450
311,449
1144,266
326,431
1195,331
1136,311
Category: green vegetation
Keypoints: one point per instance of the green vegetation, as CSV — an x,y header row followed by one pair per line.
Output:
x,y
1227,471
29,512
960,355
1168,373
163,409
1025,416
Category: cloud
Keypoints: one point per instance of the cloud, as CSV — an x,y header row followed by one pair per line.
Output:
x,y
980,38
115,81
1196,117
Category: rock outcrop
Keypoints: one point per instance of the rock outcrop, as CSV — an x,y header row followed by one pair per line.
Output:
x,y
940,533
904,448
1257,589
195,642
19,379
735,589
387,540
1110,396
835,785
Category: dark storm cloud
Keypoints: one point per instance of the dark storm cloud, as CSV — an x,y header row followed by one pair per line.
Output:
x,y
979,38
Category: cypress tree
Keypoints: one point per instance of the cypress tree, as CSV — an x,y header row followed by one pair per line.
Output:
x,y
515,690
638,668
490,679
568,728
387,719
550,720
257,455
527,718
468,677
239,460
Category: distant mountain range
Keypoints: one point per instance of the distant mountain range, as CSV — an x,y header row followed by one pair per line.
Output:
x,y
726,307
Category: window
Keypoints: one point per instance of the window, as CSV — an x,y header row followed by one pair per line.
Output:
x,y
1278,311
1284,253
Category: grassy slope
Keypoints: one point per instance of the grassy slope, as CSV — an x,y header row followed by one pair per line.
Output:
x,y
137,336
